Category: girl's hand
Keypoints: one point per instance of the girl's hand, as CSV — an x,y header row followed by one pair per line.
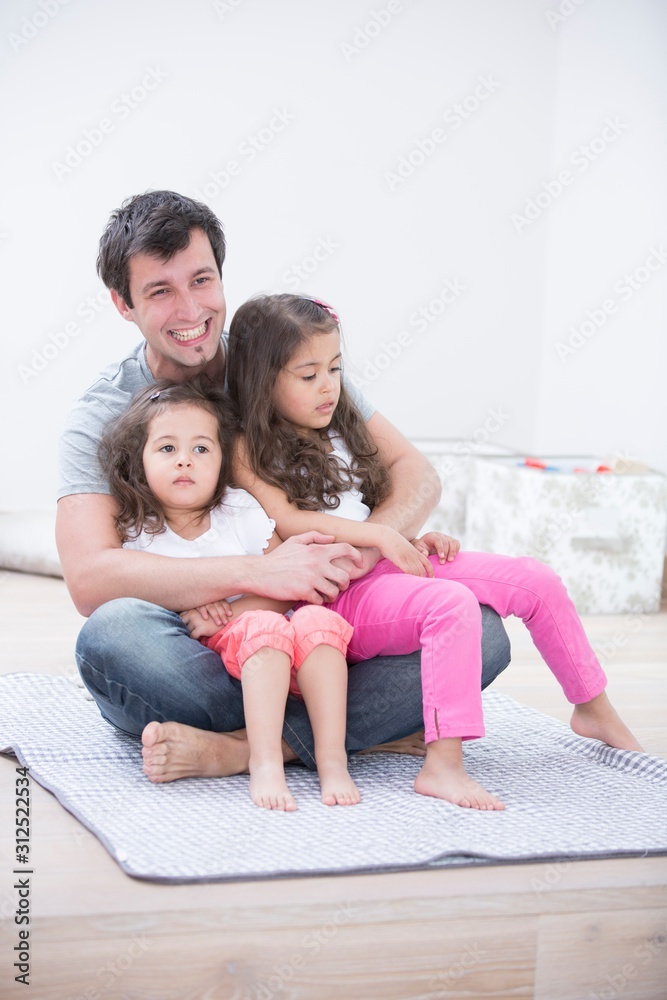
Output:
x,y
220,611
404,554
198,626
443,546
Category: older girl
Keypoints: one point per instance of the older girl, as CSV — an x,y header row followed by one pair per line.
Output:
x,y
306,456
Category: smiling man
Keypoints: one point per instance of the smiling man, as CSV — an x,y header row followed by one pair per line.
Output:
x,y
161,256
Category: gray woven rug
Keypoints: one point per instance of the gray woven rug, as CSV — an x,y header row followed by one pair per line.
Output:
x,y
566,797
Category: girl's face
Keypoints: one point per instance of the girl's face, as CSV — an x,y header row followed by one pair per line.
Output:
x,y
307,390
182,457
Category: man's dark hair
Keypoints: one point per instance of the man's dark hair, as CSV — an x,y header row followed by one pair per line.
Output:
x,y
158,223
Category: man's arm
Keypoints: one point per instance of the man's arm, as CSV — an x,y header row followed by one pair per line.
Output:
x,y
97,569
415,485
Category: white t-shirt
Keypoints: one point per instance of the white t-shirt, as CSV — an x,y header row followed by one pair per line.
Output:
x,y
239,527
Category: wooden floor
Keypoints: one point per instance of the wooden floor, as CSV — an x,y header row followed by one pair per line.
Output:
x,y
571,931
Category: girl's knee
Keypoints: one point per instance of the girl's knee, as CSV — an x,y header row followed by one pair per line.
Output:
x,y
542,576
459,599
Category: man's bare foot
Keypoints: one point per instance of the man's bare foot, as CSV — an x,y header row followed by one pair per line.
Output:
x,y
337,786
413,745
454,784
172,750
268,788
597,719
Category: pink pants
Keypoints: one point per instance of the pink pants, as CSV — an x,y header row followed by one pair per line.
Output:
x,y
310,626
393,612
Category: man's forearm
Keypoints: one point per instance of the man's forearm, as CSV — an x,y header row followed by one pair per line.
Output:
x,y
176,584
416,491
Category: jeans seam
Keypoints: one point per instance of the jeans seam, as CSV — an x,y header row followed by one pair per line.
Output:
x,y
298,746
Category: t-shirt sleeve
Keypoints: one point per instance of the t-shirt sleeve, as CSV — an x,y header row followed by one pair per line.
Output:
x,y
252,524
365,407
80,470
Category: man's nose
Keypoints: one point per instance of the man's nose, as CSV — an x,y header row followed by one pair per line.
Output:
x,y
187,307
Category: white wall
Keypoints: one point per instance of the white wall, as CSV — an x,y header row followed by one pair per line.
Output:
x,y
219,72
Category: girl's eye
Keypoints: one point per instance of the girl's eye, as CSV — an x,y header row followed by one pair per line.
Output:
x,y
308,378
167,447
338,368
200,449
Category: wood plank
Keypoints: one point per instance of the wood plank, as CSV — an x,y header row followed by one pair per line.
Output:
x,y
603,956
320,960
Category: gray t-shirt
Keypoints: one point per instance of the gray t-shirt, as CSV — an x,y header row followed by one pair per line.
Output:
x,y
104,401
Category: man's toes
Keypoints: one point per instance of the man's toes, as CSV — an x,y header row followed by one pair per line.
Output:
x,y
150,734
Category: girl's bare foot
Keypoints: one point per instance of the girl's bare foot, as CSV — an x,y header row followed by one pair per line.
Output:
x,y
173,750
597,719
454,784
337,786
268,787
444,777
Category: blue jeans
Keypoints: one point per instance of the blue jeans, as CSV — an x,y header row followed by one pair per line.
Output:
x,y
139,663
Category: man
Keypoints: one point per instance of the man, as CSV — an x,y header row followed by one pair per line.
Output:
x,y
161,257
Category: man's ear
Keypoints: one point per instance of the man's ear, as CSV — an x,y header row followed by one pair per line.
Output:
x,y
121,305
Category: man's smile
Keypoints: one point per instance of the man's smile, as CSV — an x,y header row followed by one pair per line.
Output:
x,y
189,336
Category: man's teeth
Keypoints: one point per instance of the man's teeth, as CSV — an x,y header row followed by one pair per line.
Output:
x,y
188,334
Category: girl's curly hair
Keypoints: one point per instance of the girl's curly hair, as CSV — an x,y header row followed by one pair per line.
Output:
x,y
263,336
122,445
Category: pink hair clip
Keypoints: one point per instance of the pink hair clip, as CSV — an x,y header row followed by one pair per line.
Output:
x,y
327,308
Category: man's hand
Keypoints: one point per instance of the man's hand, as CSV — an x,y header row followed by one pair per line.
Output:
x,y
434,542
370,557
305,568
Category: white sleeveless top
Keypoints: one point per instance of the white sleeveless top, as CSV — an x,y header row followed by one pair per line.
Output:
x,y
351,504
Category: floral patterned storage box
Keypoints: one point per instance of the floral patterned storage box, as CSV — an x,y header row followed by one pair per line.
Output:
x,y
453,460
603,533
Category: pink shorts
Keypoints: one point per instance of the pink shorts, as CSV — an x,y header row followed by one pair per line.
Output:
x,y
310,626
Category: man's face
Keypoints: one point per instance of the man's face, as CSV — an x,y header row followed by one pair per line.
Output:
x,y
179,306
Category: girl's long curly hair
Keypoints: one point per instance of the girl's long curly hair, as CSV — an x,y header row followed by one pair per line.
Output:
x,y
264,335
122,445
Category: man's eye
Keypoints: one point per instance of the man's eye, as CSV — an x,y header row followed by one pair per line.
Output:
x,y
202,280
158,291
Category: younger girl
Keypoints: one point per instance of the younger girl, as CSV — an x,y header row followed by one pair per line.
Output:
x,y
307,456
167,460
